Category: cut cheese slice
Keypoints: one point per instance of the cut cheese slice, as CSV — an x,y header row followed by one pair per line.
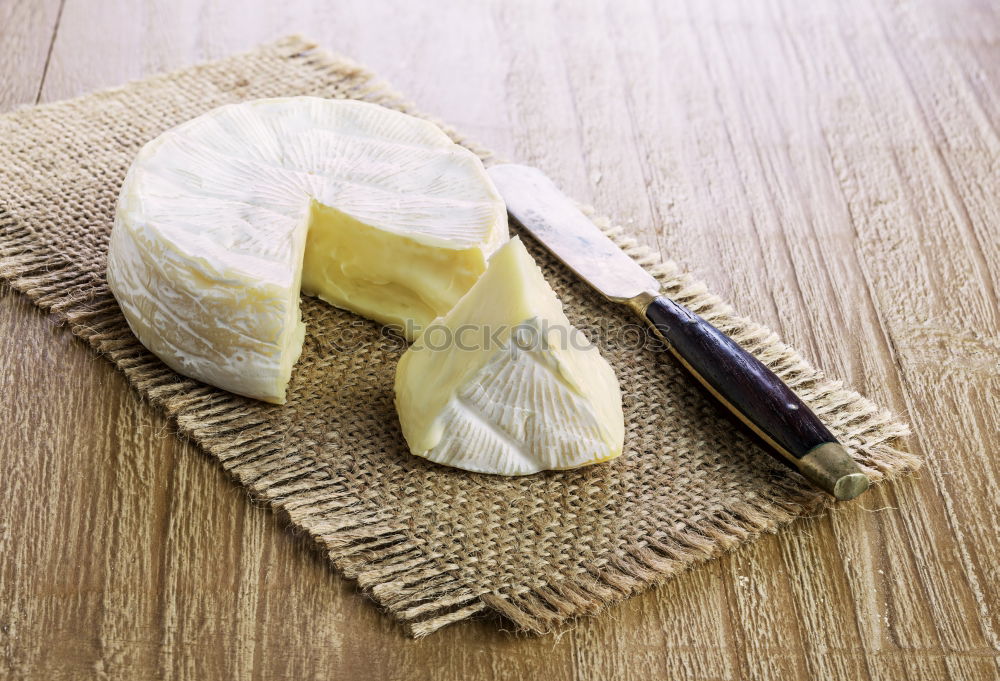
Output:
x,y
223,219
504,384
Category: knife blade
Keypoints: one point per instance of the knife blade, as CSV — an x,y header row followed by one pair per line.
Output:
x,y
738,380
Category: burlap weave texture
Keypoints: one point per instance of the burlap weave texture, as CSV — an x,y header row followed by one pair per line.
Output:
x,y
430,544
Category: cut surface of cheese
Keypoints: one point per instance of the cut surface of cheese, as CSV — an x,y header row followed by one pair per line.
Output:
x,y
223,219
504,384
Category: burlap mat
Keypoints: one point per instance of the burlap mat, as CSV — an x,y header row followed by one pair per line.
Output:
x,y
430,544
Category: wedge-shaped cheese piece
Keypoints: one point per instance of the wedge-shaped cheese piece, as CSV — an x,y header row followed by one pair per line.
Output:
x,y
222,218
504,384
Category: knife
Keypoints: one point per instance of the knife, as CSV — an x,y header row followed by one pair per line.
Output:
x,y
751,391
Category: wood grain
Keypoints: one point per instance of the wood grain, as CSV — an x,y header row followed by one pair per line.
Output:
x,y
832,167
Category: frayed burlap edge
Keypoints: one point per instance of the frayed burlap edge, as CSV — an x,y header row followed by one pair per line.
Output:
x,y
362,546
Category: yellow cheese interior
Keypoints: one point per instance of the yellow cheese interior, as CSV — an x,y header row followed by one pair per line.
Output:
x,y
511,291
383,275
557,404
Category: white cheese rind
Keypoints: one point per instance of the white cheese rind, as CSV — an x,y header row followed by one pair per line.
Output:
x,y
207,250
504,384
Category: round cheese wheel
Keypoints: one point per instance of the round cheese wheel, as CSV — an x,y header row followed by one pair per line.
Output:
x,y
223,220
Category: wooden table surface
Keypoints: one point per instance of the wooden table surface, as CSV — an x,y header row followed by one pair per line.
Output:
x,y
831,166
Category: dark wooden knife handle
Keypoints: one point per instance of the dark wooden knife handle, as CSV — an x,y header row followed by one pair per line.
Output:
x,y
756,396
